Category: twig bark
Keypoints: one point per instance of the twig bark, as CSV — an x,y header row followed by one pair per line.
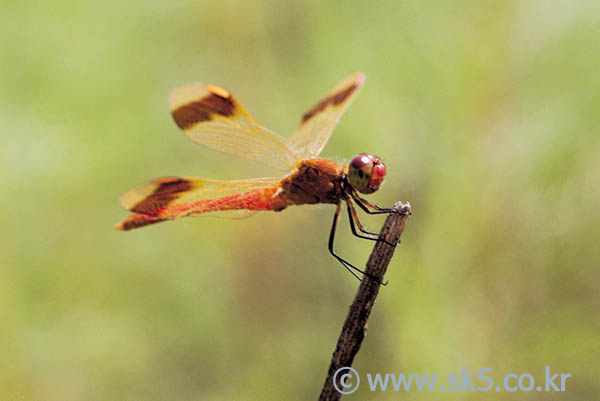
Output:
x,y
355,326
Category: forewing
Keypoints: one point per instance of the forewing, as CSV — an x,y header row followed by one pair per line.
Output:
x,y
211,116
175,197
318,123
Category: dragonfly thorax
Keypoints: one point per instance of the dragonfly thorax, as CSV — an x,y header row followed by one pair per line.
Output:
x,y
314,181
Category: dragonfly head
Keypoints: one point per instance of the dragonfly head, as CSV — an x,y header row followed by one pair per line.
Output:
x,y
366,172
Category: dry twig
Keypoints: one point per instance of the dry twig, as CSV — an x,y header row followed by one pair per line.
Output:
x,y
355,326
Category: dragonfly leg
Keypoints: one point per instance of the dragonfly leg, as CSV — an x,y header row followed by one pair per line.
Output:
x,y
374,209
349,266
353,218
355,222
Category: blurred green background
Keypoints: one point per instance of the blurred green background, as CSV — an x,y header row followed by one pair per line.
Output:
x,y
486,114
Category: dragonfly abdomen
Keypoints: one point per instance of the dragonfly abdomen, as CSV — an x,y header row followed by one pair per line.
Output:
x,y
256,199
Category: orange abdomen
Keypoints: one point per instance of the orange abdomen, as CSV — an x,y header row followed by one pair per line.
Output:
x,y
257,199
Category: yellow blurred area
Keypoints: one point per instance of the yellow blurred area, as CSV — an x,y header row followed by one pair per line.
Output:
x,y
485,113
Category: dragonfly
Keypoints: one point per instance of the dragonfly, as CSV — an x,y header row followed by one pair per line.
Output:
x,y
210,115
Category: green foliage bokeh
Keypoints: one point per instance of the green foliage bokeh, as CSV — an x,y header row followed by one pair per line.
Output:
x,y
486,114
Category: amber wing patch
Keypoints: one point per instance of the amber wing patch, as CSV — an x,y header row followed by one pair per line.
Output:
x,y
318,122
211,116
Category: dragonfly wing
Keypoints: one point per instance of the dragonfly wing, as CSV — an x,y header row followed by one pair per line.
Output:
x,y
211,116
318,123
174,197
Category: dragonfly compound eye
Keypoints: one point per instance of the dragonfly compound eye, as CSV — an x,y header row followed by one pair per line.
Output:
x,y
366,173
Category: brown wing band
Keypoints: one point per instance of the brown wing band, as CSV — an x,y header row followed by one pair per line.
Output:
x,y
333,99
203,110
167,191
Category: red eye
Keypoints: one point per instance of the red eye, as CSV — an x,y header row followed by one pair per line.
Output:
x,y
366,173
379,170
377,176
361,160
